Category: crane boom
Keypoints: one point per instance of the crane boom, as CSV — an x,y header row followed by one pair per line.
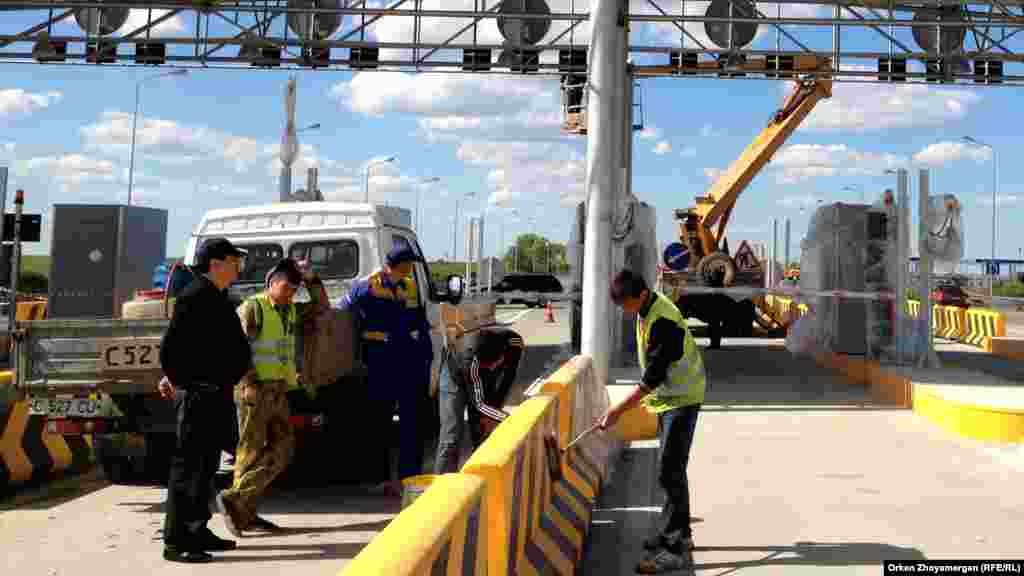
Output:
x,y
718,202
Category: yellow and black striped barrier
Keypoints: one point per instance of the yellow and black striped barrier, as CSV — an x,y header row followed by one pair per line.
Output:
x,y
31,455
442,533
972,326
505,513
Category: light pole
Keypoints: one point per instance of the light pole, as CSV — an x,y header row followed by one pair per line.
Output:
x,y
366,175
419,190
995,171
455,229
135,123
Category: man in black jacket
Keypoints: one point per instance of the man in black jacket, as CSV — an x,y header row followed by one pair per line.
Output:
x,y
204,353
479,378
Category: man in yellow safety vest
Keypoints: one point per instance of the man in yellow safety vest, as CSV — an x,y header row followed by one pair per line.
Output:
x,y
266,439
673,388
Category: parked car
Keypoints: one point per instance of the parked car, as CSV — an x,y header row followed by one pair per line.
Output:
x,y
949,293
534,285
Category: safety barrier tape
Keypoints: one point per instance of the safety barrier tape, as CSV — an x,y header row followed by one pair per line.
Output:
x,y
736,291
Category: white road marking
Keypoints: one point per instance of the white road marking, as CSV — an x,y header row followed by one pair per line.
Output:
x,y
514,318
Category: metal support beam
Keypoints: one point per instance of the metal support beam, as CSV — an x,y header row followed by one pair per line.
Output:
x,y
605,65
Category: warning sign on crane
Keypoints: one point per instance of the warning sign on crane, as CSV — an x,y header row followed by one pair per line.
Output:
x,y
745,258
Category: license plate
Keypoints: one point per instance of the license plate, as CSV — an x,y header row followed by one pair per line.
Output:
x,y
129,354
65,407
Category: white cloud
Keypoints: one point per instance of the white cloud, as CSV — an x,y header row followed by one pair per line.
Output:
x,y
17,101
663,147
139,18
167,138
940,153
800,162
73,170
862,107
688,152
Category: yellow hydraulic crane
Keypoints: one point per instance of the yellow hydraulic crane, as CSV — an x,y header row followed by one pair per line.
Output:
x,y
716,205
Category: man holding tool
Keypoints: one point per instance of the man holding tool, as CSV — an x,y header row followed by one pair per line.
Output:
x,y
673,388
479,377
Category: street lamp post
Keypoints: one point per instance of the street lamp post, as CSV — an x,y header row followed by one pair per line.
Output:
x,y
419,190
995,171
366,176
135,123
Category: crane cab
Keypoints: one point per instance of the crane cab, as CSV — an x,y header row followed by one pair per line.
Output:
x,y
574,104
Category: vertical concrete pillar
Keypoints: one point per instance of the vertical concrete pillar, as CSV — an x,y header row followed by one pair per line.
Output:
x,y
605,66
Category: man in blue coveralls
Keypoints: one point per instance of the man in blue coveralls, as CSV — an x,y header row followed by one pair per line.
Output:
x,y
394,334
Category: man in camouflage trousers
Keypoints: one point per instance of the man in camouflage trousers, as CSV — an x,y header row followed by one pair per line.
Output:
x,y
266,440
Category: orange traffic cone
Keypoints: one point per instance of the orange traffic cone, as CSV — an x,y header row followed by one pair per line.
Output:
x,y
549,315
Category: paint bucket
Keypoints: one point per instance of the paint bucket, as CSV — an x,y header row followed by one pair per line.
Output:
x,y
414,486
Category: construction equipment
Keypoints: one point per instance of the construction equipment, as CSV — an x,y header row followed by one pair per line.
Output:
x,y
702,228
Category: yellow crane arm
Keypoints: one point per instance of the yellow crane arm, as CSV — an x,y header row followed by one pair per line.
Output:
x,y
718,202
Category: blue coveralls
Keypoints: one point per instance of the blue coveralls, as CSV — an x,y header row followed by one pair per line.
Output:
x,y
395,335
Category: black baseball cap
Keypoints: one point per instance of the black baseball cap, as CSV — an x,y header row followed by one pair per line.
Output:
x,y
216,249
401,254
290,268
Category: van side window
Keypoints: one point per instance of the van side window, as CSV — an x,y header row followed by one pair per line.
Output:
x,y
331,259
260,260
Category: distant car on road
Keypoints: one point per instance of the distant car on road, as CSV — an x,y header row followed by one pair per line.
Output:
x,y
534,285
950,293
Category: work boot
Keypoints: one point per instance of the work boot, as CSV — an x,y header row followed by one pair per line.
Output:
x,y
663,560
657,541
186,555
230,514
207,541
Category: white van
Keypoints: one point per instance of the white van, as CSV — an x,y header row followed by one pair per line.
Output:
x,y
342,241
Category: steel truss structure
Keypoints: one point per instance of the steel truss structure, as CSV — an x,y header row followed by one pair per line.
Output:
x,y
924,41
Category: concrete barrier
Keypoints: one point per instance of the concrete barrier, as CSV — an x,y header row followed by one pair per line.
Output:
x,y
972,326
443,533
537,526
31,455
527,523
982,325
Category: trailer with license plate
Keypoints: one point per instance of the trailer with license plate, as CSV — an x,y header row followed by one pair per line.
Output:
x,y
100,377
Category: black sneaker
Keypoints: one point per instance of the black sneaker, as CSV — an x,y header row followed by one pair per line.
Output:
x,y
207,541
186,556
658,541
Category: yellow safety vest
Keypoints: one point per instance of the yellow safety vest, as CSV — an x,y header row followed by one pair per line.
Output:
x,y
273,351
684,384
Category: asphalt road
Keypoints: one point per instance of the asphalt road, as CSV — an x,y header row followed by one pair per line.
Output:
x,y
795,471
83,526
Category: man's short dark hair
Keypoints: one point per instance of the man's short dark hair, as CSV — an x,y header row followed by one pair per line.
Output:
x,y
627,284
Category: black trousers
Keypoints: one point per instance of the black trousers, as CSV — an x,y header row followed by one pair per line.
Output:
x,y
676,429
203,419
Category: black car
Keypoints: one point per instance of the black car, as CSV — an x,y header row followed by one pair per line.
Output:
x,y
534,286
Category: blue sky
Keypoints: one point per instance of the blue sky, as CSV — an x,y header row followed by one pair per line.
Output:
x,y
209,140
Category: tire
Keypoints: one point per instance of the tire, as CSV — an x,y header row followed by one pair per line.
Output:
x,y
717,269
117,467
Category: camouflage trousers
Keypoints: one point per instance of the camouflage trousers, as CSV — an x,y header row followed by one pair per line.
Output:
x,y
265,447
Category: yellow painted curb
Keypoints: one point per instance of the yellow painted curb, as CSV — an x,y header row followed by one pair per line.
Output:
x,y
970,420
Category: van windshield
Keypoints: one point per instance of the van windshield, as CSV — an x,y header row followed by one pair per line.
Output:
x,y
331,259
